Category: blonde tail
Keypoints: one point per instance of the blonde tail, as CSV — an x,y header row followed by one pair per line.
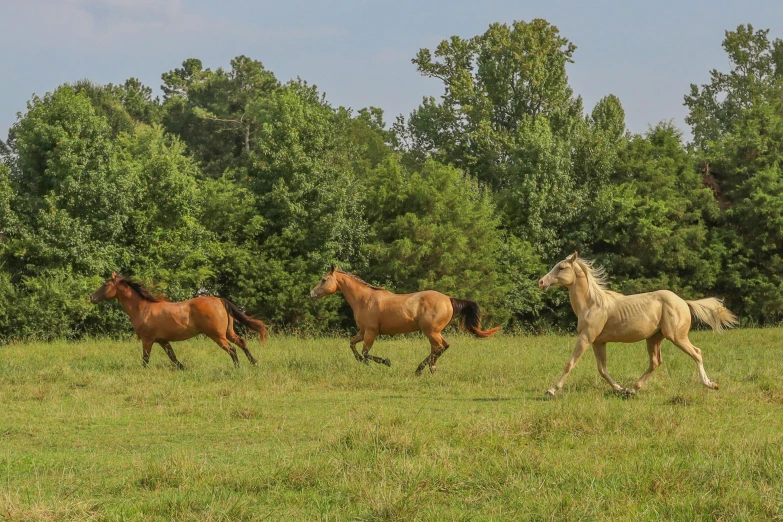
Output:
x,y
712,312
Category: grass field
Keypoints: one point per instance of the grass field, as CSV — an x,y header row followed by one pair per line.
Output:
x,y
310,434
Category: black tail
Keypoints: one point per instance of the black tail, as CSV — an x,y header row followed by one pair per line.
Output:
x,y
251,322
471,314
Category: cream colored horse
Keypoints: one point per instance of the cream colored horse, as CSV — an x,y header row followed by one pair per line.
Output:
x,y
605,316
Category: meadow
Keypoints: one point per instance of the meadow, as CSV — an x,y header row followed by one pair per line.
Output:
x,y
311,434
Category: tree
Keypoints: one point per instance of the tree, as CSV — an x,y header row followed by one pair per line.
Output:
x,y
756,74
509,117
437,228
373,141
217,113
652,225
80,202
137,100
737,122
306,209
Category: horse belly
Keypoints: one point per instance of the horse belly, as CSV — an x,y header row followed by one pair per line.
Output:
x,y
625,333
397,325
630,329
399,318
176,324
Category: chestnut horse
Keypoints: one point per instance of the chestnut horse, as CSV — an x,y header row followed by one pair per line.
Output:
x,y
378,311
605,316
158,321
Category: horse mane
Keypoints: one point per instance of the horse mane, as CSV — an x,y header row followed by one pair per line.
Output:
x,y
597,289
141,291
360,280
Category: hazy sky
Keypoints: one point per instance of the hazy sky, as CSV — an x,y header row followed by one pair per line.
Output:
x,y
358,52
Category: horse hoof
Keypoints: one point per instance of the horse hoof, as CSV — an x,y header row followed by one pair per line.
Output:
x,y
418,372
627,394
715,386
366,361
549,394
387,362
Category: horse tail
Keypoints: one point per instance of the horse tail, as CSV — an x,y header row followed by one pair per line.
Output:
x,y
471,314
251,322
711,311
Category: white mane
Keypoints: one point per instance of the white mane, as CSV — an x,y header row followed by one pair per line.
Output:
x,y
596,282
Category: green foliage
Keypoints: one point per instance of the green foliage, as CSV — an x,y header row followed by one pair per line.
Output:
x,y
218,114
435,229
296,208
82,204
652,223
509,117
755,76
738,128
239,186
373,141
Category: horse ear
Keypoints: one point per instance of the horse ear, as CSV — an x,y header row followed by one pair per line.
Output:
x,y
114,275
333,268
575,256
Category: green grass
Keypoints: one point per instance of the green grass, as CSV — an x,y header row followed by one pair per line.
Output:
x,y
310,434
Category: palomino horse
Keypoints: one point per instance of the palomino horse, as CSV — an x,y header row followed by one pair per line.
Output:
x,y
606,316
378,311
158,321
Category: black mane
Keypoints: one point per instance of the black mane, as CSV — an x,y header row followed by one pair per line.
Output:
x,y
140,290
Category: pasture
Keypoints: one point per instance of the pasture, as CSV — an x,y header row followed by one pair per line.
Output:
x,y
311,434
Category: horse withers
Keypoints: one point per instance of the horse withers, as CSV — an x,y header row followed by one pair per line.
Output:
x,y
156,320
380,312
605,316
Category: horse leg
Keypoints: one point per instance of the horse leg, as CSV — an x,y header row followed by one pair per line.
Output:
x,y
146,347
600,357
435,355
435,352
582,344
654,351
170,352
355,339
369,339
234,338
445,345
223,343
683,343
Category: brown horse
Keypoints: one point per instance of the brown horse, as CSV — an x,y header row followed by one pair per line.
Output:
x,y
605,316
158,321
378,311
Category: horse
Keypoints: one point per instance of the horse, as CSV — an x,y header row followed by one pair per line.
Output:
x,y
156,320
380,312
605,316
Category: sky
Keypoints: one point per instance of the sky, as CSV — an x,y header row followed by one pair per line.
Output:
x,y
359,51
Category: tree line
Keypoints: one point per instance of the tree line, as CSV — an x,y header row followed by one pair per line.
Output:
x,y
237,185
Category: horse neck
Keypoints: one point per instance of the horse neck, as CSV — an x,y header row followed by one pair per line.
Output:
x,y
355,293
130,301
579,293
